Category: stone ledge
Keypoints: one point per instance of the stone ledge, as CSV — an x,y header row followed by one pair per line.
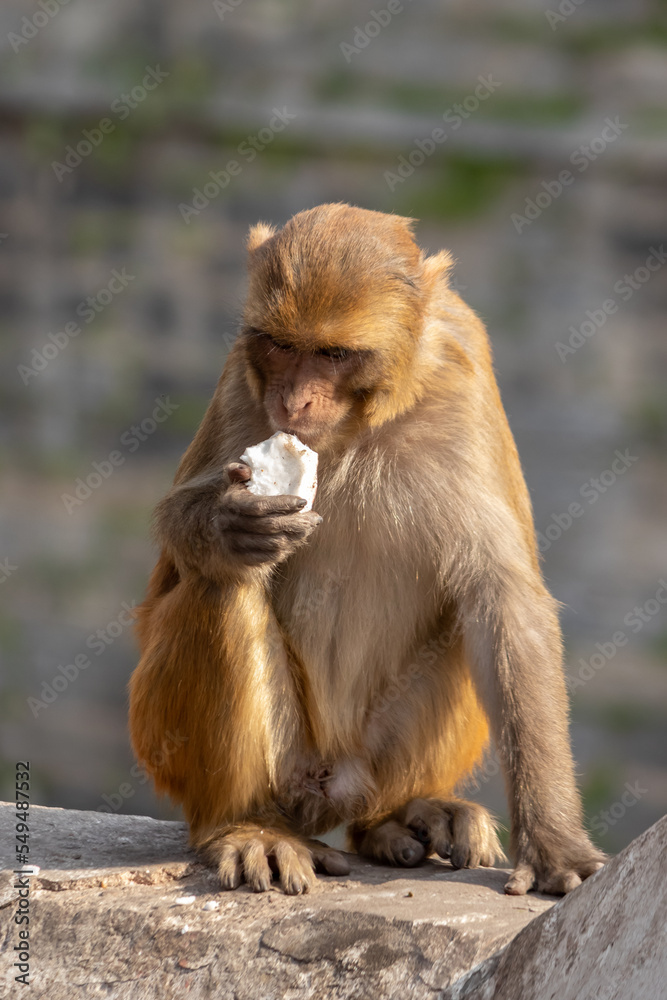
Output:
x,y
607,940
105,921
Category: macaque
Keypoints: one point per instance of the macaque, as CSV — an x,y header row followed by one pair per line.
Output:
x,y
347,664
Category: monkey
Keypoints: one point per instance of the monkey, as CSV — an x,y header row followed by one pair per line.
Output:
x,y
349,665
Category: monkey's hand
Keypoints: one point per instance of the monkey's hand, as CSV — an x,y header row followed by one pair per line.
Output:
x,y
256,854
556,867
256,530
214,527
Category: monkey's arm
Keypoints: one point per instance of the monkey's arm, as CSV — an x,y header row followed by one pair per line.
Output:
x,y
509,621
209,523
513,646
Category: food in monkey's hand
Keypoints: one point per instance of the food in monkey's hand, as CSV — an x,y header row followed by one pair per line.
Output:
x,y
282,465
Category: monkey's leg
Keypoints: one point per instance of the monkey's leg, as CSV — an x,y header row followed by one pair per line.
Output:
x,y
214,672
255,853
461,831
512,642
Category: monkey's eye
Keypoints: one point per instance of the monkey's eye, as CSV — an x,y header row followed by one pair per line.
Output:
x,y
336,353
275,344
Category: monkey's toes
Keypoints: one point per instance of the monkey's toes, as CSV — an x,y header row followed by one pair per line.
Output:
x,y
295,867
430,823
462,831
256,867
256,856
394,844
557,881
230,868
408,852
521,881
327,859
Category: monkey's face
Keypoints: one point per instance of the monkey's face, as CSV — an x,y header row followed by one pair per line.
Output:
x,y
332,320
314,394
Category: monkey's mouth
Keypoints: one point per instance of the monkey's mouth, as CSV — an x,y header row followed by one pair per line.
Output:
x,y
307,435
305,429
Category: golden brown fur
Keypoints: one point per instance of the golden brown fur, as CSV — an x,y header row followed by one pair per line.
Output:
x,y
426,561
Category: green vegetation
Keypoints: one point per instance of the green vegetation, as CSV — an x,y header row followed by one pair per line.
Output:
x,y
463,187
11,635
351,87
649,419
579,36
658,647
97,230
599,787
624,717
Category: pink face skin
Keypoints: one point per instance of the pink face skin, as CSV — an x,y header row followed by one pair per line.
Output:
x,y
304,393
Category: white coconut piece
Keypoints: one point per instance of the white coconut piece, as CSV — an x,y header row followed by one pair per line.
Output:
x,y
282,465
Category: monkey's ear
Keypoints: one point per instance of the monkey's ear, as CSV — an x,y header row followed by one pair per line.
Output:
x,y
259,234
437,267
407,222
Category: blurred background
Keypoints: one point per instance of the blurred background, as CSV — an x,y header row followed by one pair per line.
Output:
x,y
140,139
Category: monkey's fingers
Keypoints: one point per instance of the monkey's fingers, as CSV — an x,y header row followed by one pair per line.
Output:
x,y
238,472
264,540
242,501
258,549
592,866
295,525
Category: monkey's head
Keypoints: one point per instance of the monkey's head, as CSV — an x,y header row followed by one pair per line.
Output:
x,y
333,320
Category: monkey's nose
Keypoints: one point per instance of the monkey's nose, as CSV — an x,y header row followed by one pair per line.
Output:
x,y
295,405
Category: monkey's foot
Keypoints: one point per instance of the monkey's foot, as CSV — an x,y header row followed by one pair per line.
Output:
x,y
461,831
557,870
255,854
464,832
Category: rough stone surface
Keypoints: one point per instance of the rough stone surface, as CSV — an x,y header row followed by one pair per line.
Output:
x,y
121,909
606,941
104,921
